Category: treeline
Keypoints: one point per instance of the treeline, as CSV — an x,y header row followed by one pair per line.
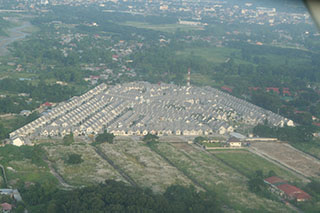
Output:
x,y
41,91
113,196
299,134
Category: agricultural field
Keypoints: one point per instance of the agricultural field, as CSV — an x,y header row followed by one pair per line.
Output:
x,y
247,163
213,174
290,157
144,166
169,28
92,170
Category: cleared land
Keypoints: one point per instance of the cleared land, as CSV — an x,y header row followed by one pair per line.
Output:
x,y
247,163
170,28
92,170
145,167
290,157
214,174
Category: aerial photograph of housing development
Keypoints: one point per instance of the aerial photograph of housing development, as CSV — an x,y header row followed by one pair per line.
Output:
x,y
159,106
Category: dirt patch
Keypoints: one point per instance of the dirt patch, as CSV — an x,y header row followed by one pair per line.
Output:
x,y
184,146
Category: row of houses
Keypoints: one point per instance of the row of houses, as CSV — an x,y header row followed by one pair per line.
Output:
x,y
138,108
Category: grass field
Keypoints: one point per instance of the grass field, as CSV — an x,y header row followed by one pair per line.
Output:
x,y
28,172
170,28
214,174
247,163
214,54
312,148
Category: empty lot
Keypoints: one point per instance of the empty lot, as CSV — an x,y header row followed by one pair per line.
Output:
x,y
290,157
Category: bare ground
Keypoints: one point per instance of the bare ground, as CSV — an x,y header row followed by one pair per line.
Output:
x,y
290,157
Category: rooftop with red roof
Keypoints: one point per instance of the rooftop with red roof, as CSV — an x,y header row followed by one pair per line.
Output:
x,y
294,192
6,206
274,180
226,88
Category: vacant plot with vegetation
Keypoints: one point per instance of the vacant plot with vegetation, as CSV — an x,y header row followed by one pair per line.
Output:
x,y
92,170
290,157
213,174
28,172
248,163
145,167
24,164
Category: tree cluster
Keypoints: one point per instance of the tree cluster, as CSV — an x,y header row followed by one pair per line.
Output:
x,y
104,137
299,134
113,196
73,159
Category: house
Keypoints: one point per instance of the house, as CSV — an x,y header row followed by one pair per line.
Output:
x,y
17,141
6,207
234,142
25,112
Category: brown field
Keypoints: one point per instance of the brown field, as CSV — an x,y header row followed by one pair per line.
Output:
x,y
290,157
144,166
92,170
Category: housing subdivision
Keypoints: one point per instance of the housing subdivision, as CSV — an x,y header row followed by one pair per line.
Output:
x,y
139,108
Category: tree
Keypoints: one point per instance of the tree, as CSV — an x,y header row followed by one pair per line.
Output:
x,y
68,139
74,159
104,137
150,138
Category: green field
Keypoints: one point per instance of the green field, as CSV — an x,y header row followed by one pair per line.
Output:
x,y
27,172
169,28
211,54
247,163
312,148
